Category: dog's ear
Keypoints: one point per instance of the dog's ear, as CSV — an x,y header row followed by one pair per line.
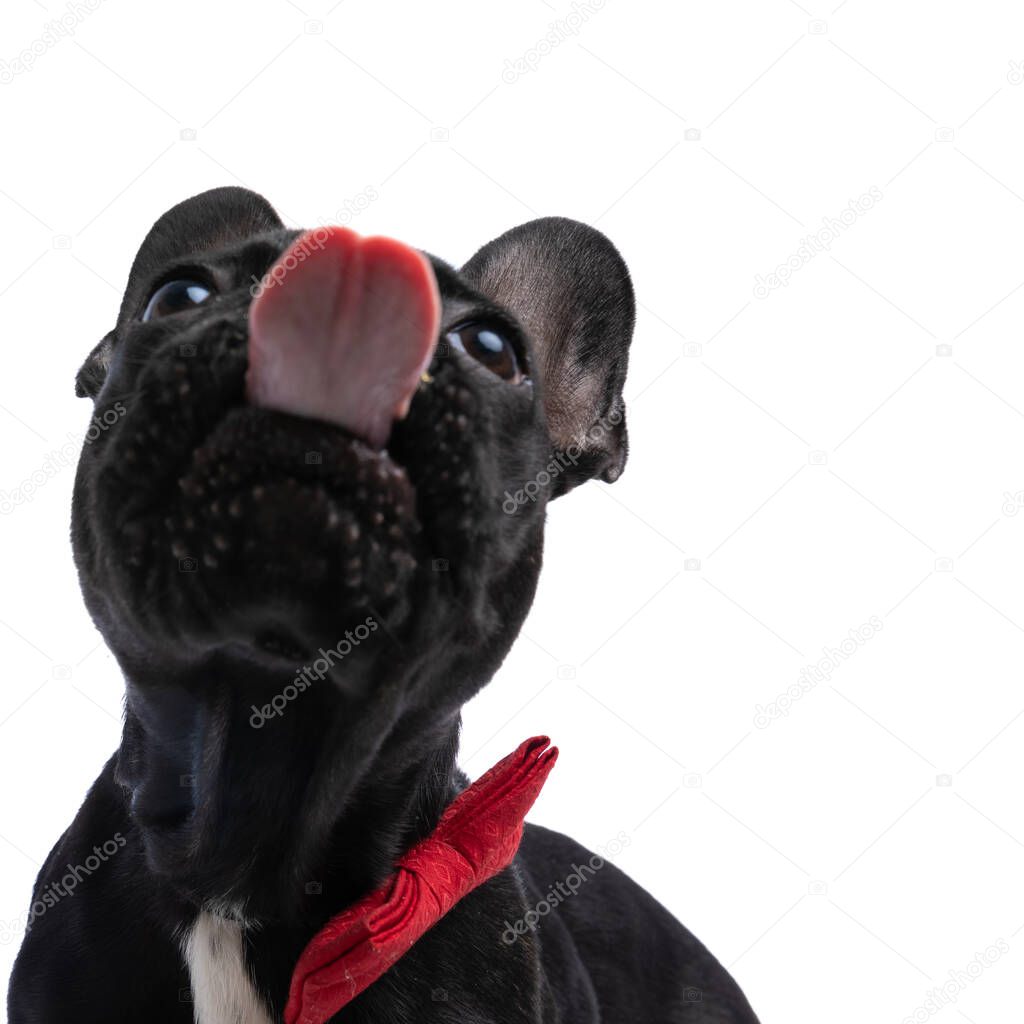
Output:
x,y
91,376
207,221
569,287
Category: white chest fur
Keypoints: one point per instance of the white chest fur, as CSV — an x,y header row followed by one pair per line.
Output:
x,y
222,988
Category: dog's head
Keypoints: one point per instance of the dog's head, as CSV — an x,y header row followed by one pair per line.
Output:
x,y
309,512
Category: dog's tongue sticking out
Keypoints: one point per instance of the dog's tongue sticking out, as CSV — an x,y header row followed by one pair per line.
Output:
x,y
342,331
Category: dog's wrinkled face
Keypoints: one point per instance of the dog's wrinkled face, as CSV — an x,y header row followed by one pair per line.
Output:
x,y
223,542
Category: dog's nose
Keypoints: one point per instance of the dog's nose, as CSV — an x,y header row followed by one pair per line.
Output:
x,y
342,330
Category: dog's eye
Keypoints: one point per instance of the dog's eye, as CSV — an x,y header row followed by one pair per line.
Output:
x,y
175,297
489,348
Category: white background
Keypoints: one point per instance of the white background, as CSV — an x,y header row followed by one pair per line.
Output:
x,y
848,446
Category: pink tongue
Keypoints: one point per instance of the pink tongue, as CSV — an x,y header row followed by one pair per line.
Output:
x,y
342,331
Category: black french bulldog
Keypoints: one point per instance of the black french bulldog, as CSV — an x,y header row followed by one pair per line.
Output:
x,y
240,516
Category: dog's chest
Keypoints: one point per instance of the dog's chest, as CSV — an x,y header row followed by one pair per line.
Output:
x,y
222,988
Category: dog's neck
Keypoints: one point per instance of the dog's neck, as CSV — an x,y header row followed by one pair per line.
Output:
x,y
288,822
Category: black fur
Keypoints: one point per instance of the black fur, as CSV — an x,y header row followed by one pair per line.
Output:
x,y
221,546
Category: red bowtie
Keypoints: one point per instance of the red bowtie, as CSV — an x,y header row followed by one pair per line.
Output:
x,y
477,837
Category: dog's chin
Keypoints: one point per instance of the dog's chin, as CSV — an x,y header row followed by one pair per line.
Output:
x,y
275,531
